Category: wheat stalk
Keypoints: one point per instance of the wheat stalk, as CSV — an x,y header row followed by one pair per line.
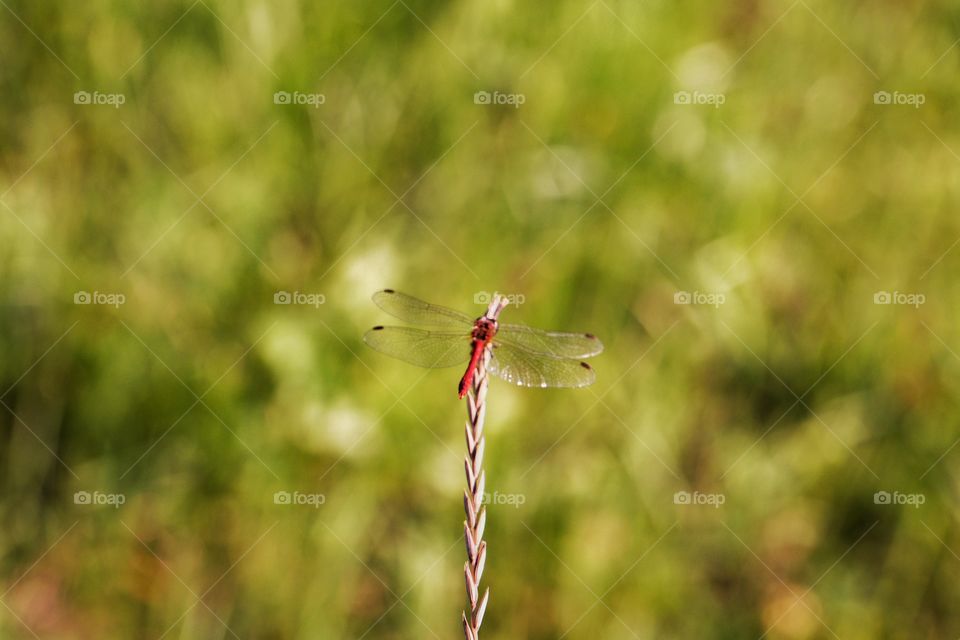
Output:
x,y
473,496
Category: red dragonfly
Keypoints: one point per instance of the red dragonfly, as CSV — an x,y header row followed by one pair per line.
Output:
x,y
521,355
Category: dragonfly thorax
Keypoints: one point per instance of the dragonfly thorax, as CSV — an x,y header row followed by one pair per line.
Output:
x,y
484,329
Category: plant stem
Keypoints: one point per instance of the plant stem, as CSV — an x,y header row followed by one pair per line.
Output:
x,y
473,496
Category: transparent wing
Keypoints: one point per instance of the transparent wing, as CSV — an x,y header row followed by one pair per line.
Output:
x,y
553,343
416,311
529,369
431,349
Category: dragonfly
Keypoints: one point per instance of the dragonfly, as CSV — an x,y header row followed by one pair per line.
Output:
x,y
520,355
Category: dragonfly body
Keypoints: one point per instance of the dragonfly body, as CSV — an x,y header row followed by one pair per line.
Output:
x,y
482,335
519,354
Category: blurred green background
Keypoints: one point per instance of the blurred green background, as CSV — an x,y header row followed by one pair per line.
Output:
x,y
176,165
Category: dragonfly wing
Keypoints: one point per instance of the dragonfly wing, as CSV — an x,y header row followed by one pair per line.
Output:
x,y
553,343
416,311
431,349
529,369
